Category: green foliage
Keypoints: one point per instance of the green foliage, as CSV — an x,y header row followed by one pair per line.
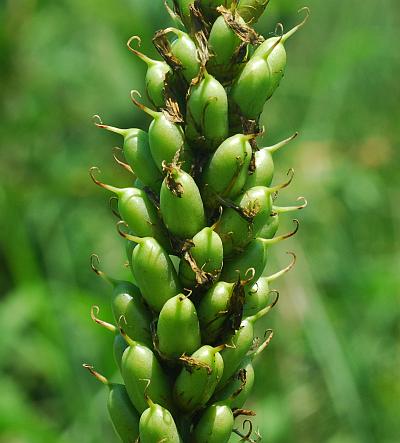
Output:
x,y
331,372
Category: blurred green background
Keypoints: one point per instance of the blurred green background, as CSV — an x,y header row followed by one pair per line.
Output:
x,y
331,373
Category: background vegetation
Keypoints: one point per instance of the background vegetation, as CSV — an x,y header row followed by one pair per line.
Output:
x,y
331,373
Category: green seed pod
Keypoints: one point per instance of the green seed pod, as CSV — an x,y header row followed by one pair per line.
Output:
x,y
254,86
207,113
239,387
154,271
196,382
257,297
184,50
209,7
242,222
215,424
264,165
137,153
270,227
226,172
224,45
181,204
127,303
239,344
213,310
182,8
124,417
156,75
157,425
166,138
137,211
221,308
255,256
277,57
119,347
202,263
242,384
143,375
178,328
252,10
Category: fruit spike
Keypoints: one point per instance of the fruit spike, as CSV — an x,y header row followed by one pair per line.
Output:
x,y
199,222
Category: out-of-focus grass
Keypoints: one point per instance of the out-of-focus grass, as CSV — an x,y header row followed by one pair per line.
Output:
x,y
331,371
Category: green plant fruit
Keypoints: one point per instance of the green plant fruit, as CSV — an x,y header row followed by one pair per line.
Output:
x,y
238,388
143,375
166,138
270,227
137,211
237,227
252,10
127,304
202,263
178,328
213,310
209,7
136,150
197,381
215,424
258,296
207,114
124,417
157,425
156,75
184,49
226,172
224,44
181,204
264,165
119,347
254,257
154,272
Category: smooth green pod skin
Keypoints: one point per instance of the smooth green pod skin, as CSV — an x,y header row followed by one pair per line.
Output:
x,y
178,328
253,88
123,415
252,10
157,425
166,138
236,232
270,227
184,215
127,303
209,7
156,76
215,424
154,273
137,154
264,170
138,212
207,114
235,384
239,344
257,297
138,365
119,347
194,387
184,49
254,256
208,255
212,310
226,172
222,42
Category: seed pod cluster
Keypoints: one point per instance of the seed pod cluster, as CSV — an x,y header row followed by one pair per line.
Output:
x,y
198,219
